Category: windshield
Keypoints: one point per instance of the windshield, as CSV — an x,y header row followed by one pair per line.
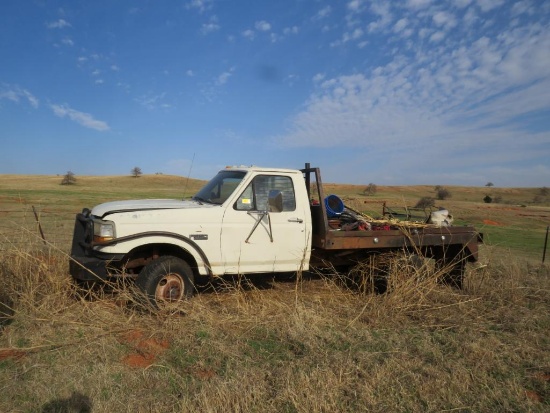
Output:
x,y
220,187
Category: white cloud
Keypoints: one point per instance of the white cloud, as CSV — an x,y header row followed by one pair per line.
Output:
x,y
444,19
84,119
437,37
323,13
290,30
211,26
248,34
522,7
190,73
462,3
59,24
152,102
115,68
318,77
224,77
385,17
353,35
418,4
354,5
460,97
200,5
488,5
262,26
16,94
400,25
67,41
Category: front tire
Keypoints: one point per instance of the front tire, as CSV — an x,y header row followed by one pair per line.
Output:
x,y
166,280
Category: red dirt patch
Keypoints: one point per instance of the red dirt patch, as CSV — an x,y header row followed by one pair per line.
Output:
x,y
9,353
533,396
490,222
542,376
204,374
146,349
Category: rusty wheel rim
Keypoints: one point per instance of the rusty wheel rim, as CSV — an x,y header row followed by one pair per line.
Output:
x,y
170,288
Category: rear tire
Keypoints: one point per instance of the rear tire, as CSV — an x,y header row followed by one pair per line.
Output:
x,y
454,270
166,280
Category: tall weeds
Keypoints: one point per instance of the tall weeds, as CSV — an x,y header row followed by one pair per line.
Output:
x,y
272,344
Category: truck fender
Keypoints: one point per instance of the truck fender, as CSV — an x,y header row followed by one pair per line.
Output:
x,y
163,237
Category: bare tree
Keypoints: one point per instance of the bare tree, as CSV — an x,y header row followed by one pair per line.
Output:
x,y
442,193
370,189
425,202
136,171
68,179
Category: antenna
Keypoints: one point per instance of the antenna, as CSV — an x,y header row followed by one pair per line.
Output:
x,y
188,175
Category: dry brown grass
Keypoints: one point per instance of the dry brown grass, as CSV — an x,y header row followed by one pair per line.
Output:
x,y
283,345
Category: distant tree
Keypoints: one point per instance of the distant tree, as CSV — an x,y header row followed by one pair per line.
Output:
x,y
544,191
68,179
489,184
487,199
370,189
136,171
442,193
425,202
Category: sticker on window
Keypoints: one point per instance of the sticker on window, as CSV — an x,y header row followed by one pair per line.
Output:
x,y
245,201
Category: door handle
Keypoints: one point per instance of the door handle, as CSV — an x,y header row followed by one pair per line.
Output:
x,y
298,220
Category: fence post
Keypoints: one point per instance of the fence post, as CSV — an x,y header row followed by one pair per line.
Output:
x,y
42,232
545,244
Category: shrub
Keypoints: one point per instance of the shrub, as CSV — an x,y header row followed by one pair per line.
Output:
x,y
370,189
425,202
442,193
68,179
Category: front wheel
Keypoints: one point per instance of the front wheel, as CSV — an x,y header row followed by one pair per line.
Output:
x,y
166,280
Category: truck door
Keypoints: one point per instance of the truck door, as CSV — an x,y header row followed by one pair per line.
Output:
x,y
265,229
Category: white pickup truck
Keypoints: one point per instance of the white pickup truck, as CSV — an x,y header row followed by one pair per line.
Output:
x,y
246,220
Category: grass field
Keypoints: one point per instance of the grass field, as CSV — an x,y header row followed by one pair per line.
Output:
x,y
274,344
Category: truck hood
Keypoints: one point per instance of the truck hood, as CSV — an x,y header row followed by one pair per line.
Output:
x,y
144,204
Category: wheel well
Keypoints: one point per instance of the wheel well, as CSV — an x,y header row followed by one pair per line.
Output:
x,y
141,256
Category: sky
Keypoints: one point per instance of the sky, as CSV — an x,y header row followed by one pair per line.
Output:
x,y
399,92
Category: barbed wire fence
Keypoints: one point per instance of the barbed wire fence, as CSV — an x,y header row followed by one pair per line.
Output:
x,y
25,226
30,226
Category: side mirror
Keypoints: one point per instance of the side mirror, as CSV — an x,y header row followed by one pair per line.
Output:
x,y
275,200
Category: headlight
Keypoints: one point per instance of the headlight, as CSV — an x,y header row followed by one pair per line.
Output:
x,y
104,230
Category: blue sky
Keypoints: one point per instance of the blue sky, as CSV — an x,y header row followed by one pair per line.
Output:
x,y
389,92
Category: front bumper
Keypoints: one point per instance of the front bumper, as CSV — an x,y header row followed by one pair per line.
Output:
x,y
86,264
88,268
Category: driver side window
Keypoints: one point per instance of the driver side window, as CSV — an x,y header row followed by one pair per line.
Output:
x,y
255,196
